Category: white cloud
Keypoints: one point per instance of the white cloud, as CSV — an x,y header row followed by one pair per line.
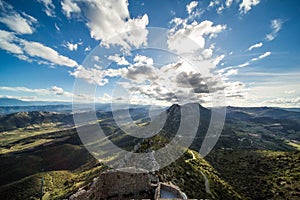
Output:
x,y
290,91
141,70
142,60
220,9
145,79
231,72
213,3
53,93
169,83
57,27
234,90
269,86
88,48
247,5
49,7
96,58
270,37
6,42
69,7
228,3
120,60
288,102
107,20
23,57
72,47
177,22
24,49
57,90
266,54
244,64
288,75
218,59
96,76
165,84
191,37
190,7
98,66
35,49
60,91
225,70
53,90
255,46
207,53
221,6
23,98
20,23
275,85
276,26
25,89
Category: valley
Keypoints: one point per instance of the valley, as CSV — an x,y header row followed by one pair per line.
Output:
x,y
256,156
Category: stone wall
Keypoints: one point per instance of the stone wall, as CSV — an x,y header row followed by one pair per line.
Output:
x,y
171,188
133,184
116,184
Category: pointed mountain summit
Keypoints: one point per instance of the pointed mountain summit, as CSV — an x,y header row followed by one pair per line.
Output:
x,y
177,107
192,116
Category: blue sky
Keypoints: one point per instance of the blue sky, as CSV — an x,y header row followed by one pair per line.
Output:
x,y
246,50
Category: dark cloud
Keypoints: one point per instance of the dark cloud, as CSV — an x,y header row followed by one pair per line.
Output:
x,y
141,73
197,82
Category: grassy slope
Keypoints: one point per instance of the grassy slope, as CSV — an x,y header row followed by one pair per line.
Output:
x,y
56,184
260,174
186,173
65,166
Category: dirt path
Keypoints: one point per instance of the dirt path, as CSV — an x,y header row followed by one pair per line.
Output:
x,y
207,184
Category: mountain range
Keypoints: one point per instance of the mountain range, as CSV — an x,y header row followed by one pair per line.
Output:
x,y
256,156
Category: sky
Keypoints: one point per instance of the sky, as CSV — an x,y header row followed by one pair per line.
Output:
x,y
228,52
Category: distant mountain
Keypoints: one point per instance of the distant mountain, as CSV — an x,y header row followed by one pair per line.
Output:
x,y
12,102
250,112
18,102
4,110
292,109
263,128
24,119
10,105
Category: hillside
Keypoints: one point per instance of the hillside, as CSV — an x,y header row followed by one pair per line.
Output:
x,y
25,119
197,178
254,153
63,172
260,174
